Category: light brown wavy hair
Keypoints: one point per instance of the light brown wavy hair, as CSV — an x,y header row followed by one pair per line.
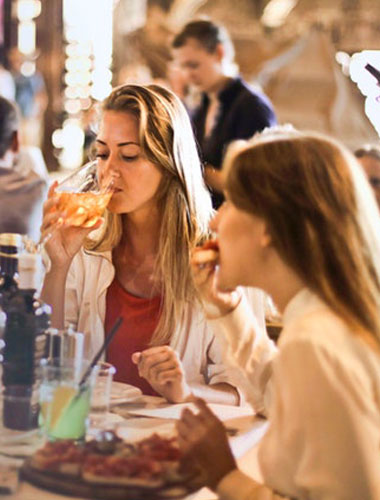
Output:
x,y
167,140
321,215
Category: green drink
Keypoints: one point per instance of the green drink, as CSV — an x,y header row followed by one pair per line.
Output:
x,y
64,405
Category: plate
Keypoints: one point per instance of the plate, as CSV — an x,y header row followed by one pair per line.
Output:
x,y
76,487
122,393
85,470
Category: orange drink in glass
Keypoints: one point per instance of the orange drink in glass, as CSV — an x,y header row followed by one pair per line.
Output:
x,y
82,198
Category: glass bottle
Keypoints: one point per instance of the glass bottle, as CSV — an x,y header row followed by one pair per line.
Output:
x,y
10,247
27,320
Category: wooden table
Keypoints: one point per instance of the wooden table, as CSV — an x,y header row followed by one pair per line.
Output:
x,y
249,431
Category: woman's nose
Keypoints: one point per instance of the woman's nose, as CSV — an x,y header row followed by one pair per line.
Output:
x,y
109,171
111,167
214,222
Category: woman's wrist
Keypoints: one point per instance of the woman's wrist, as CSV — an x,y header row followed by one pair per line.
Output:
x,y
223,308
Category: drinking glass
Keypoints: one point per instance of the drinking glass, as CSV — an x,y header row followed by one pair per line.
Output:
x,y
101,394
81,196
64,402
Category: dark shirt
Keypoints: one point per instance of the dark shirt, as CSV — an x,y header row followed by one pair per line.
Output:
x,y
243,111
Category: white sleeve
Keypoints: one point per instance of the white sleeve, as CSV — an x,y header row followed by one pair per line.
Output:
x,y
238,486
324,433
72,291
249,348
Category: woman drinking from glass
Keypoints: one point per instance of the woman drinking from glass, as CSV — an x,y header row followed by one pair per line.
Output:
x,y
136,265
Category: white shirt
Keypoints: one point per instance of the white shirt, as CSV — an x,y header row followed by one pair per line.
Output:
x,y
323,439
201,353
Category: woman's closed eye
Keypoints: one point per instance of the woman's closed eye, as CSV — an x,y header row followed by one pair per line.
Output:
x,y
129,158
102,156
126,158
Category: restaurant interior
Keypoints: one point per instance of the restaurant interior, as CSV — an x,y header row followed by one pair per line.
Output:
x,y
83,49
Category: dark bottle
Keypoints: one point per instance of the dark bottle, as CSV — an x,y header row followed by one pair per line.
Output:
x,y
27,319
10,246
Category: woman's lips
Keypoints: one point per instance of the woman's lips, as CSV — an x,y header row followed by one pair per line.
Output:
x,y
210,245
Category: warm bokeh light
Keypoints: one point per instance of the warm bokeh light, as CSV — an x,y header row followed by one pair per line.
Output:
x,y
27,37
276,12
88,34
28,9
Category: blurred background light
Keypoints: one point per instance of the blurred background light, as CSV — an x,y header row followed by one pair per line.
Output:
x,y
367,83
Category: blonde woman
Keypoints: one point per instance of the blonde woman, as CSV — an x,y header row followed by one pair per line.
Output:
x,y
301,223
136,265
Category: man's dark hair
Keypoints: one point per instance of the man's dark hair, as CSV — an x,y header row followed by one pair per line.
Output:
x,y
207,33
8,124
368,150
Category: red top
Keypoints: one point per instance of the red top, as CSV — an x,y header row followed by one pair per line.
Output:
x,y
140,317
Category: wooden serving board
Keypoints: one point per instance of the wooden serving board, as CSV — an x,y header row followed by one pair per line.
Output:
x,y
77,487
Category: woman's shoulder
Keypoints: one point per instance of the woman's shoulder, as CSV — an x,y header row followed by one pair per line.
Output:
x,y
331,338
89,261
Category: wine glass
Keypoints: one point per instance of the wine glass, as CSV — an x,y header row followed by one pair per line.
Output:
x,y
81,196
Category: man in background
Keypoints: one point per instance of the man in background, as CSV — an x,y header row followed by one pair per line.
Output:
x,y
23,178
229,109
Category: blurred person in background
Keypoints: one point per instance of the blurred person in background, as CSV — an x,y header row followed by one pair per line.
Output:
x,y
137,265
31,98
230,109
23,178
300,222
369,158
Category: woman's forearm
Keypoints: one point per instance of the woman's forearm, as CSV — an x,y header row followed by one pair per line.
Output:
x,y
221,393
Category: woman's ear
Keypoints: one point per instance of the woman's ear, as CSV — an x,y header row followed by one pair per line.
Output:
x,y
266,238
15,144
220,52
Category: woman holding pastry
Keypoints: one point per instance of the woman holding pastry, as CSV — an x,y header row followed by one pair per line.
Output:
x,y
301,223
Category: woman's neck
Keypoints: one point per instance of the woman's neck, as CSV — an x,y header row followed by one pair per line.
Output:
x,y
135,256
140,236
283,285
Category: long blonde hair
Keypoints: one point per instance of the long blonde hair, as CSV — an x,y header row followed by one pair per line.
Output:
x,y
321,214
167,140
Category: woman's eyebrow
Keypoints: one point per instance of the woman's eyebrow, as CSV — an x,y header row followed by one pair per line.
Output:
x,y
127,143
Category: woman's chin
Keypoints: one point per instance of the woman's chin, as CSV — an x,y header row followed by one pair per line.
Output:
x,y
224,282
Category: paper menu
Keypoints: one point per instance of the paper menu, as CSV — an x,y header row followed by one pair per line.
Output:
x,y
174,411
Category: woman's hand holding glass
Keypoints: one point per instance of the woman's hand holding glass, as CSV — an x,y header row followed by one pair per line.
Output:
x,y
216,302
162,368
73,209
61,240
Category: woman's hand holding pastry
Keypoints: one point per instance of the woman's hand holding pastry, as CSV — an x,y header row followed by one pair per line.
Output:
x,y
216,302
161,367
203,440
